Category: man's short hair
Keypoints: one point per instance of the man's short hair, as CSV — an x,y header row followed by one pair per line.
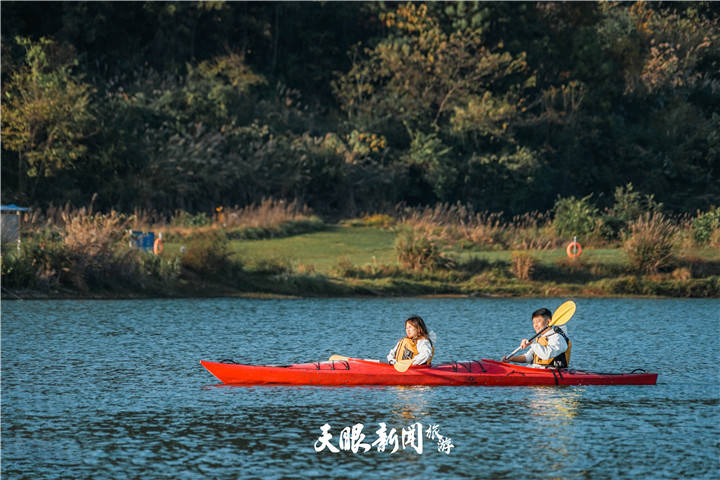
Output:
x,y
543,312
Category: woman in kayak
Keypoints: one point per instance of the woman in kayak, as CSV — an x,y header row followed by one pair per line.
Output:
x,y
416,344
552,348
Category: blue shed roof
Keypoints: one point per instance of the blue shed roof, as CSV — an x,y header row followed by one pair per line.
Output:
x,y
13,208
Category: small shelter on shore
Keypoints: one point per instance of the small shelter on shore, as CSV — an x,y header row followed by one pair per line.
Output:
x,y
10,223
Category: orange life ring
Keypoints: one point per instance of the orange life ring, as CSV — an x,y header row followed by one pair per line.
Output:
x,y
577,249
158,246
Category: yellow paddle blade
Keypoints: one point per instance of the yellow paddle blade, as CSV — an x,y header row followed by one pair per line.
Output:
x,y
563,314
403,365
338,357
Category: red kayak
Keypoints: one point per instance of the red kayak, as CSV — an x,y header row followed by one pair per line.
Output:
x,y
355,371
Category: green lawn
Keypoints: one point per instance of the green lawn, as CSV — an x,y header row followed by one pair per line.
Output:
x,y
364,245
308,264
323,250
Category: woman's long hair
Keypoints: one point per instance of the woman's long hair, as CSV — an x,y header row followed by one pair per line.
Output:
x,y
419,324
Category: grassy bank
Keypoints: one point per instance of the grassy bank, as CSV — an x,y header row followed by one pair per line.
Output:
x,y
363,260
282,249
344,260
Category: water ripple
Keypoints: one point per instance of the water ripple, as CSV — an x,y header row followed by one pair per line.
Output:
x,y
114,389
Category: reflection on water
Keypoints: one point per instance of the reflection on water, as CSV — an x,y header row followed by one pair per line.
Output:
x,y
552,413
104,389
409,402
559,404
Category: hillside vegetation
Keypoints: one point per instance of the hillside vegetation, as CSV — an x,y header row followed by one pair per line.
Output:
x,y
354,107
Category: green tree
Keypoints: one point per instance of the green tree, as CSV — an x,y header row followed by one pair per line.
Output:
x,y
574,216
441,95
428,153
422,76
214,92
46,112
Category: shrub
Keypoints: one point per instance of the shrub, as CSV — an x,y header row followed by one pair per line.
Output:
x,y
629,205
650,243
611,227
160,267
207,253
575,216
48,257
91,241
706,227
181,218
17,271
344,268
417,250
522,265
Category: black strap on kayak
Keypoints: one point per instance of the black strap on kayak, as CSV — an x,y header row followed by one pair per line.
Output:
x,y
345,362
639,370
554,375
466,365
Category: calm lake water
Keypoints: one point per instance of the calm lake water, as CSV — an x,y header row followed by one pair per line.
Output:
x,y
114,389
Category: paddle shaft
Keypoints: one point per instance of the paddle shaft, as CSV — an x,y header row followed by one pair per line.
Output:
x,y
529,342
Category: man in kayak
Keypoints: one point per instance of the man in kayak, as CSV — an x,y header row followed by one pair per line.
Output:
x,y
416,344
552,348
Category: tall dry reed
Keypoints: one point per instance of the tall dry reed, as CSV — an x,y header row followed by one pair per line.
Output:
x,y
93,242
456,223
417,250
522,265
459,224
531,231
93,234
269,213
651,242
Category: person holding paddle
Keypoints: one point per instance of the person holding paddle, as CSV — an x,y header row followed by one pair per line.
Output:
x,y
416,348
552,348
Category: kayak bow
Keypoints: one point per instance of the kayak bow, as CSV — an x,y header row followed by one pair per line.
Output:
x,y
355,371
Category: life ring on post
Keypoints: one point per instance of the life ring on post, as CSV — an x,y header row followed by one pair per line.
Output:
x,y
158,246
574,249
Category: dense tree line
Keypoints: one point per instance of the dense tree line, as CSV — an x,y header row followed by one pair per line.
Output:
x,y
353,106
